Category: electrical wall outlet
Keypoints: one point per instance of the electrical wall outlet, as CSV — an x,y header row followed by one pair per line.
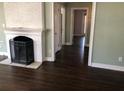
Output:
x,y
120,59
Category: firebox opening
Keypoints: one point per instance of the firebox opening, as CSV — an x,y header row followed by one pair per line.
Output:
x,y
22,50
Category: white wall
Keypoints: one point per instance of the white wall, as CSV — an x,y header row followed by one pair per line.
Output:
x,y
23,15
27,15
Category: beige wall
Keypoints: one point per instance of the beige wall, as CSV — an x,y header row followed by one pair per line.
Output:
x,y
68,17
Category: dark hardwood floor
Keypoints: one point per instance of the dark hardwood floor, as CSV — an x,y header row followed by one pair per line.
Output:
x,y
68,72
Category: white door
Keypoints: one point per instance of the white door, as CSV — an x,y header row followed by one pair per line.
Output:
x,y
57,27
63,25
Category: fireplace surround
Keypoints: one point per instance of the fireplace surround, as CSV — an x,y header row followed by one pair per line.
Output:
x,y
34,34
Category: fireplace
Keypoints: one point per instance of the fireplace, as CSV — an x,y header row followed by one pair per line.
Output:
x,y
35,34
21,50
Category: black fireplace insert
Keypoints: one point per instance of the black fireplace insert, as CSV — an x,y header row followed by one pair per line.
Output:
x,y
21,50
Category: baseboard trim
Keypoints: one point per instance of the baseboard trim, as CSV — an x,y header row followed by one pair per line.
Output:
x,y
68,43
106,66
4,53
49,59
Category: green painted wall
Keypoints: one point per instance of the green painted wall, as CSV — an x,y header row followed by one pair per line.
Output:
x,y
109,34
2,34
68,18
48,26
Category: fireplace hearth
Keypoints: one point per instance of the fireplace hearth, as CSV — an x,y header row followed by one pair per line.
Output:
x,y
21,50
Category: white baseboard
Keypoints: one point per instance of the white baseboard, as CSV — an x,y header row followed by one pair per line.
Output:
x,y
106,66
4,53
49,59
68,43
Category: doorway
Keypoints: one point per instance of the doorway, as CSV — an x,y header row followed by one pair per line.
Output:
x,y
79,25
79,22
79,18
78,29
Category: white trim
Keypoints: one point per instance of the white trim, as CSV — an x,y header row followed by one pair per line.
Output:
x,y
36,36
53,50
49,59
4,53
72,21
106,66
92,33
85,24
63,24
43,30
68,43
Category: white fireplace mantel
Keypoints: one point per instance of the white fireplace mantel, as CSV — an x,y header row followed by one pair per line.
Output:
x,y
35,34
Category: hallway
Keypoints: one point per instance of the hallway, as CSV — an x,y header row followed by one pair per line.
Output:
x,y
68,72
73,55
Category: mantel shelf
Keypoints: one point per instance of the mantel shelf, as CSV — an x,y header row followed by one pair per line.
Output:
x,y
22,29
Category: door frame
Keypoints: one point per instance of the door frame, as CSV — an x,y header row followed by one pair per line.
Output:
x,y
72,22
85,23
52,36
63,25
92,33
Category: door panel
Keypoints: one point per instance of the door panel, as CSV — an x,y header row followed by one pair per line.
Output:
x,y
57,27
63,25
